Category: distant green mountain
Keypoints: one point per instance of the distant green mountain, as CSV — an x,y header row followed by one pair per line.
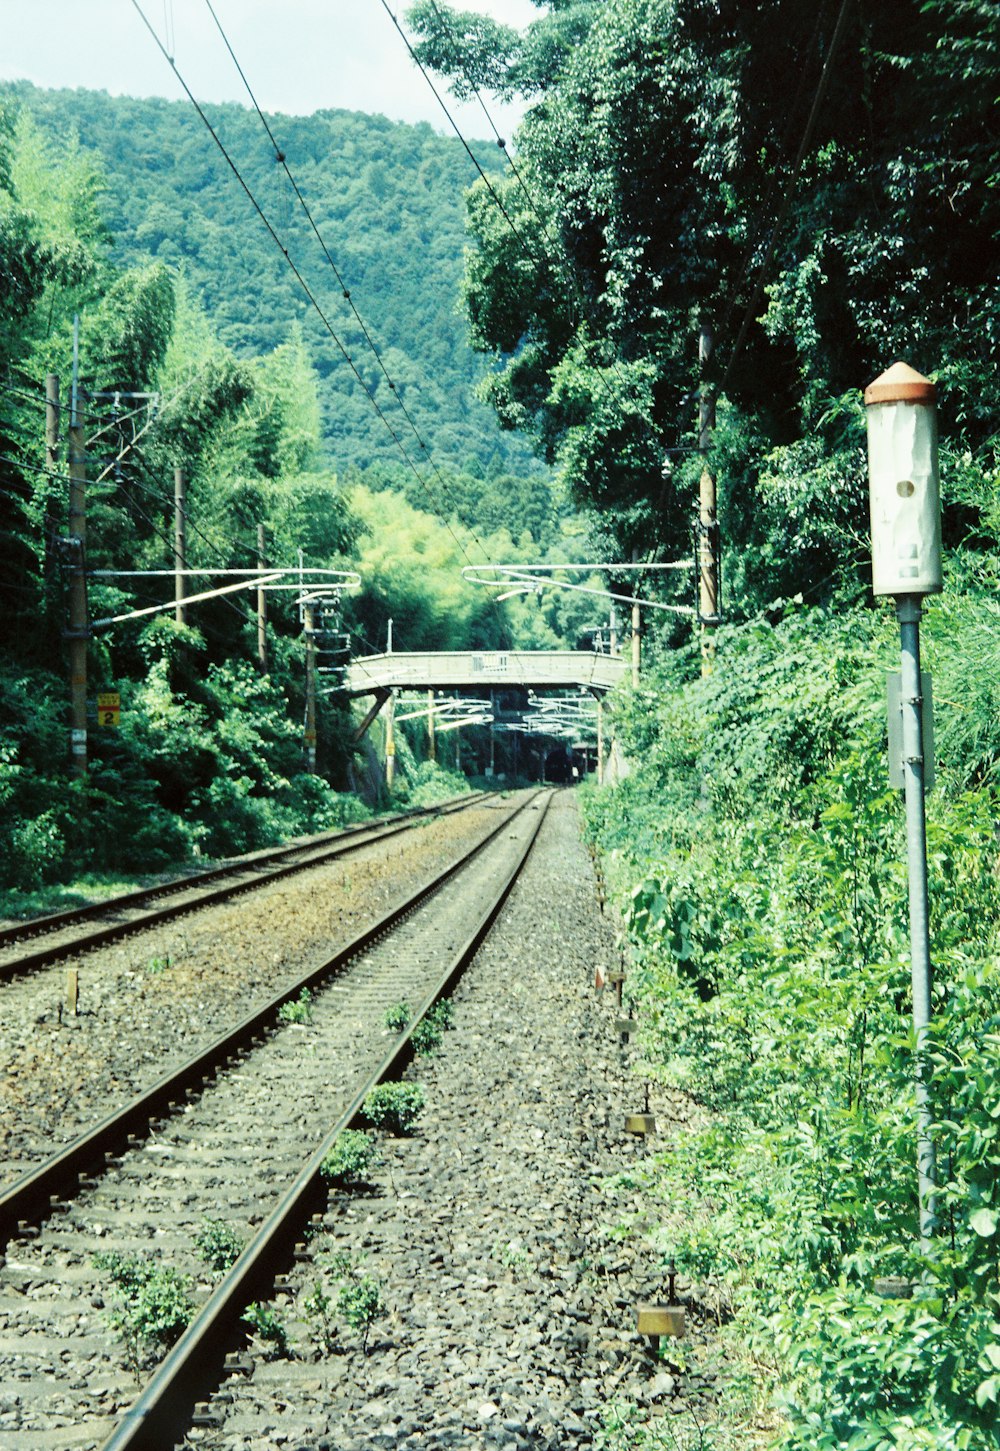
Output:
x,y
387,199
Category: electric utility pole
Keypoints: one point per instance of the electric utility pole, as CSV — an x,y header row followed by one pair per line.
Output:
x,y
708,527
180,544
309,626
636,629
261,604
431,742
79,628
50,524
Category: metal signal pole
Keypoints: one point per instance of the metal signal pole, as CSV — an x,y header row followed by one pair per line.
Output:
x,y
261,604
180,544
309,626
708,528
78,631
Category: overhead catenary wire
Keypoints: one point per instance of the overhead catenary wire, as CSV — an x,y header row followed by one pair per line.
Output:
x,y
599,371
300,279
346,292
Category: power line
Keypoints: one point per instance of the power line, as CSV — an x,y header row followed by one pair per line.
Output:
x,y
281,158
310,295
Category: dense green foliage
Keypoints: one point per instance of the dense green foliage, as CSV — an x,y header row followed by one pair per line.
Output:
x,y
387,200
654,171
209,754
760,862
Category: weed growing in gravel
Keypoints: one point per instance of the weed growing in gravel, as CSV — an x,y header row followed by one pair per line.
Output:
x,y
359,1296
351,1160
426,1037
394,1106
158,964
298,1011
442,1015
631,1428
511,1253
397,1018
319,1315
268,1327
218,1244
152,1304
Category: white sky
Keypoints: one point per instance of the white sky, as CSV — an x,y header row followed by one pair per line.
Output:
x,y
299,56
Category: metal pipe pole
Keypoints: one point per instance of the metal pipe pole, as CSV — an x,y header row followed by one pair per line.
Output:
x,y
908,611
390,740
180,544
708,582
310,732
261,603
431,742
636,633
78,632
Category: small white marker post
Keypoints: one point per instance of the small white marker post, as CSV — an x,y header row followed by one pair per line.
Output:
x,y
906,563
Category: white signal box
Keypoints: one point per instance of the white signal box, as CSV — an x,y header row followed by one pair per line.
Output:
x,y
903,483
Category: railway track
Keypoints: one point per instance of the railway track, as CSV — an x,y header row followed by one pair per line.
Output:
x,y
238,1133
71,933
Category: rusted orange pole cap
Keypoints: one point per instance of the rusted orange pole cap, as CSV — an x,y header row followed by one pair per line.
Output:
x,y
900,384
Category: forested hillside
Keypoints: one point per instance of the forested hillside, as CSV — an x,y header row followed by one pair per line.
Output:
x,y
387,200
209,754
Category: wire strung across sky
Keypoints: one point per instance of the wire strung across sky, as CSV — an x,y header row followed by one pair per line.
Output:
x,y
282,159
306,289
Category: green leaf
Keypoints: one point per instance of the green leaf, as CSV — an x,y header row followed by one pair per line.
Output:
x,y
984,1222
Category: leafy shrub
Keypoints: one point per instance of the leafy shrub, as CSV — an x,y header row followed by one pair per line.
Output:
x,y
426,1037
359,1296
153,1303
360,1303
397,1018
394,1106
268,1326
351,1160
218,1244
299,1010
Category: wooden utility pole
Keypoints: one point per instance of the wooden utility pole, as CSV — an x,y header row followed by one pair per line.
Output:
x,y
180,544
51,524
261,604
310,634
79,623
708,528
636,628
431,739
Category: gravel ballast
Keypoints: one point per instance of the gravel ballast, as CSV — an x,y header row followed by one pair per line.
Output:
x,y
509,1299
150,1002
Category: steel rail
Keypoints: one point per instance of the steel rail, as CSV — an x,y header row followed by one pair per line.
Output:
x,y
161,1415
31,1197
342,843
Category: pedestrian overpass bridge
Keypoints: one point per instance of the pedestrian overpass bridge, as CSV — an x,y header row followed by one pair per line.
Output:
x,y
485,669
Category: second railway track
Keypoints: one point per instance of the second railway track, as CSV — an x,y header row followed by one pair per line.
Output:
x,y
83,929
233,1152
